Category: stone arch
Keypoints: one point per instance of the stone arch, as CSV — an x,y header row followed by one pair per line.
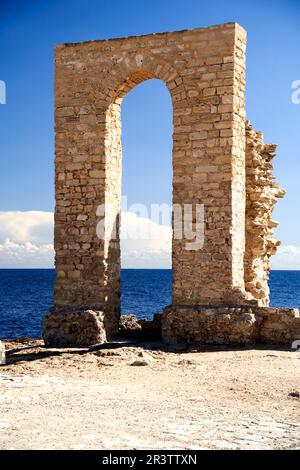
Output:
x,y
198,67
130,73
204,70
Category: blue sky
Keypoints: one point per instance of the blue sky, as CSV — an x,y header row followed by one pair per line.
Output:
x,y
29,30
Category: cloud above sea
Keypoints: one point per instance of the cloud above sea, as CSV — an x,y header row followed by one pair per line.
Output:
x,y
26,241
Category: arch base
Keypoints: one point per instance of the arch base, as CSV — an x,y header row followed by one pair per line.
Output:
x,y
205,324
73,328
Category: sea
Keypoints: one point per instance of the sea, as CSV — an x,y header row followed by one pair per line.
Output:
x,y
26,295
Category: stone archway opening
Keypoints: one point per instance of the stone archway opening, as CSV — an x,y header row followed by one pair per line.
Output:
x,y
146,216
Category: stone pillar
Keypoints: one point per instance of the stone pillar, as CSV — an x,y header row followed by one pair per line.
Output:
x,y
87,179
209,169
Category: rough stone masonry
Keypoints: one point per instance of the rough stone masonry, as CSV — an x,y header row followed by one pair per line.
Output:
x,y
220,293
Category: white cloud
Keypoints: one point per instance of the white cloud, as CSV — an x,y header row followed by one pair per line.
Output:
x,y
144,243
287,257
25,255
30,226
26,241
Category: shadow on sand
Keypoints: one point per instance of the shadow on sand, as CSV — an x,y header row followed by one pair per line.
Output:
x,y
37,351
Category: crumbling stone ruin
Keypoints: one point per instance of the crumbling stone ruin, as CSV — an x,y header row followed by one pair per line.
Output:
x,y
220,292
261,195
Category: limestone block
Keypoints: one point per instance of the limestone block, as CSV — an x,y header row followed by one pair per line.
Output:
x,y
73,328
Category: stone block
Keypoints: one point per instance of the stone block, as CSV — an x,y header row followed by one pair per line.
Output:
x,y
73,328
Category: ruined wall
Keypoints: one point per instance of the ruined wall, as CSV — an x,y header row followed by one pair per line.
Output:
x,y
203,70
217,288
225,325
261,196
256,322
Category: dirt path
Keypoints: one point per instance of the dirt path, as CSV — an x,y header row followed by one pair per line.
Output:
x,y
217,399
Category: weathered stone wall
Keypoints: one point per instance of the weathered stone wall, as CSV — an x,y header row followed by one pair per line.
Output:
x,y
254,322
224,325
261,196
204,72
209,169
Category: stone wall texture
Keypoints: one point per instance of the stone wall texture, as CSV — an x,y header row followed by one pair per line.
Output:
x,y
225,325
204,71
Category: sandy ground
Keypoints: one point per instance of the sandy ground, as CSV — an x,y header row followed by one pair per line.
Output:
x,y
197,399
